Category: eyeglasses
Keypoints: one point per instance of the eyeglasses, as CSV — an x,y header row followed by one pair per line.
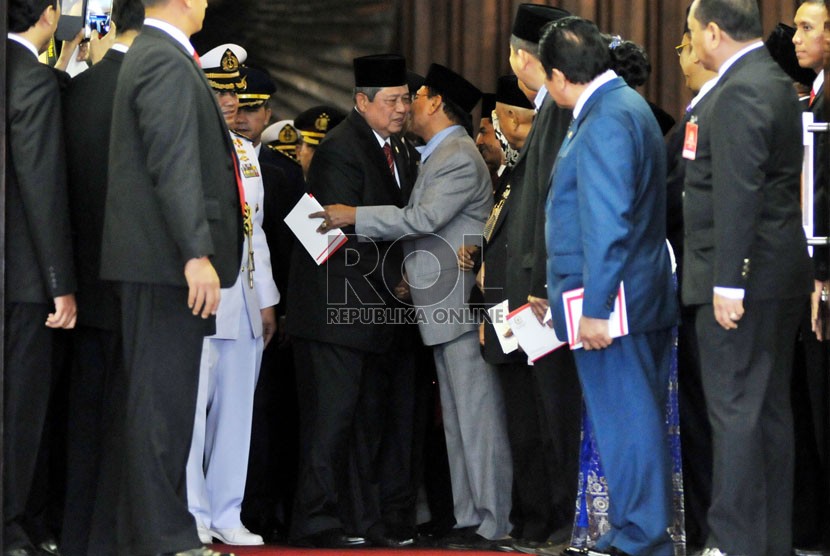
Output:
x,y
679,48
393,101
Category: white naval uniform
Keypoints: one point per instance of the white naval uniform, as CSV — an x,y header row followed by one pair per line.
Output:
x,y
218,461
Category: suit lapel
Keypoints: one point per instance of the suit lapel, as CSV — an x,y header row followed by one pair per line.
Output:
x,y
374,151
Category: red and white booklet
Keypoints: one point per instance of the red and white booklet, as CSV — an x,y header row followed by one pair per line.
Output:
x,y
617,322
319,246
536,339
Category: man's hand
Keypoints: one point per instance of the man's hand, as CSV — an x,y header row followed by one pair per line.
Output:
x,y
282,336
593,333
66,312
465,257
269,324
203,287
728,311
402,290
539,305
335,216
98,46
67,49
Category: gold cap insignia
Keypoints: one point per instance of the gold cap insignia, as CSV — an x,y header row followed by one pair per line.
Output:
x,y
288,134
229,61
322,122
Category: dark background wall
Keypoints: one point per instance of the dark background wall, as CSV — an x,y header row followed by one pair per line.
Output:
x,y
308,45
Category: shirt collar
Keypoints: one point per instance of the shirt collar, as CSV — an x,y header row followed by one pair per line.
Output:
x,y
20,40
704,89
819,81
540,98
118,47
598,81
433,143
735,57
381,140
173,31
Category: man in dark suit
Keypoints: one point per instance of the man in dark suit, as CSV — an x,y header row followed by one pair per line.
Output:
x,y
811,383
694,424
172,238
40,275
605,229
555,374
532,513
97,341
342,370
748,273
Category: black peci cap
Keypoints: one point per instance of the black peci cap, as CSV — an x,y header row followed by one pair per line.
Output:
x,y
453,87
380,70
488,104
508,92
414,81
530,18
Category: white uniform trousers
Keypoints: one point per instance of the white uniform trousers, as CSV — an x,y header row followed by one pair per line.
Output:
x,y
218,462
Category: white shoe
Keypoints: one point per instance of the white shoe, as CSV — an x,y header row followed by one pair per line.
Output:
x,y
205,536
238,536
713,552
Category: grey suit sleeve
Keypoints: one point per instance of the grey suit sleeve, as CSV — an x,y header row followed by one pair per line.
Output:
x,y
166,103
446,187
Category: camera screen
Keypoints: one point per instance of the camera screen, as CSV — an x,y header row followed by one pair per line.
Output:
x,y
98,13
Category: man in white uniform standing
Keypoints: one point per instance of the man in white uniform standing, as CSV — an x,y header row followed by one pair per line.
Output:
x,y
218,461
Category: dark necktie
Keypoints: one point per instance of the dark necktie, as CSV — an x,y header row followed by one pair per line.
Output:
x,y
390,160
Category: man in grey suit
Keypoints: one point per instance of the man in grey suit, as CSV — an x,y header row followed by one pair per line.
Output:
x,y
450,202
172,238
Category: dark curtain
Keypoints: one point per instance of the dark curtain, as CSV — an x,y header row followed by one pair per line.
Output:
x,y
308,45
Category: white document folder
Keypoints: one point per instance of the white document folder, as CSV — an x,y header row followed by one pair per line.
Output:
x,y
319,246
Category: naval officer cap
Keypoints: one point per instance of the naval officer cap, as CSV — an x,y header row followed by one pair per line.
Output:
x,y
282,136
530,18
221,67
453,87
508,92
258,87
314,123
380,70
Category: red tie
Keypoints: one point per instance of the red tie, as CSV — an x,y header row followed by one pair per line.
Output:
x,y
239,186
196,57
812,96
390,160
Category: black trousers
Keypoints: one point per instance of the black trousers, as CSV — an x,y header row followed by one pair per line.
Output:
x,y
560,396
696,435
28,367
273,458
532,513
96,378
343,396
162,349
746,378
